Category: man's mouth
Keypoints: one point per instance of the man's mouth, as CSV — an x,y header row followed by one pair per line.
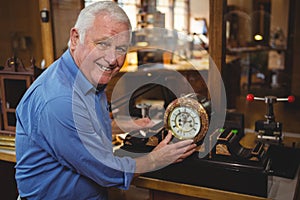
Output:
x,y
103,68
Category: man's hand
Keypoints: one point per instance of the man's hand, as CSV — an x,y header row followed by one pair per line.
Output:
x,y
123,126
144,123
188,151
164,154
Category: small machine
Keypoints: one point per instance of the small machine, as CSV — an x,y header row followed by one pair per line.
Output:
x,y
269,130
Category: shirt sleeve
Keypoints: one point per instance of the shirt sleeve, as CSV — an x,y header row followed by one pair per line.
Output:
x,y
72,139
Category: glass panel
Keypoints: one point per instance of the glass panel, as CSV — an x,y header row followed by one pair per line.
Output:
x,y
14,90
11,119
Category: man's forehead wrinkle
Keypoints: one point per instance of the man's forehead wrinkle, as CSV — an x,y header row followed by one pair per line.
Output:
x,y
113,26
119,39
115,34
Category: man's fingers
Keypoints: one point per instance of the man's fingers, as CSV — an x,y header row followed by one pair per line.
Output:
x,y
183,143
189,152
168,138
178,160
186,154
144,122
192,147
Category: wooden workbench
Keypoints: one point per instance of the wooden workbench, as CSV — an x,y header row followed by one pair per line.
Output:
x,y
160,189
281,189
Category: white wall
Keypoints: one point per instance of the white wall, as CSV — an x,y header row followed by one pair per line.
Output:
x,y
200,8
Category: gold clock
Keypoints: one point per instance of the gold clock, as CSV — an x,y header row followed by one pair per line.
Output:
x,y
187,118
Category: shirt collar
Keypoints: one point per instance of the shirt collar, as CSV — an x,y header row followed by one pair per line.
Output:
x,y
80,81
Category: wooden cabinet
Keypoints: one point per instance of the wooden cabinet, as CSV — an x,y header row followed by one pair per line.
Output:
x,y
15,79
13,85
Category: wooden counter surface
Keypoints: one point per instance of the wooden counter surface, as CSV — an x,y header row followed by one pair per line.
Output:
x,y
7,155
281,189
190,190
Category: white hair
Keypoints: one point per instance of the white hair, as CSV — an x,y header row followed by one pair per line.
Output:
x,y
87,16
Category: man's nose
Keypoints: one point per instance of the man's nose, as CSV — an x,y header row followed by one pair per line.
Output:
x,y
110,56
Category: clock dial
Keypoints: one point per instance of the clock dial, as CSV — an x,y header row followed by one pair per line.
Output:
x,y
187,118
184,122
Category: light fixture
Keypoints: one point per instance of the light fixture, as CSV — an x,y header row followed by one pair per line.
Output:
x,y
258,37
44,15
142,44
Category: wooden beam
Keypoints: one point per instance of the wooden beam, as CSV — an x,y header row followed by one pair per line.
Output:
x,y
217,32
217,46
47,34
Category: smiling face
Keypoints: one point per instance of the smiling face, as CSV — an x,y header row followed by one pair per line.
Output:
x,y
101,54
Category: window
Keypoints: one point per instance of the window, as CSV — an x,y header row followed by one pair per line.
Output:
x,y
181,17
180,7
164,7
172,21
131,7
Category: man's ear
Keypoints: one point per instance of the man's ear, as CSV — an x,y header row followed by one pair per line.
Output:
x,y
74,37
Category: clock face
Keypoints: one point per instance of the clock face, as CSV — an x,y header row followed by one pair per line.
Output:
x,y
184,122
187,118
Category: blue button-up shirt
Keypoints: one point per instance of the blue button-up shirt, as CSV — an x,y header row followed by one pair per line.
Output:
x,y
63,138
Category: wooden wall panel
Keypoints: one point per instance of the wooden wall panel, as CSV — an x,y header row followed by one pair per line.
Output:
x,y
20,19
65,13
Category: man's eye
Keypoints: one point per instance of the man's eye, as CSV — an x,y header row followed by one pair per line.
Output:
x,y
121,50
103,45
